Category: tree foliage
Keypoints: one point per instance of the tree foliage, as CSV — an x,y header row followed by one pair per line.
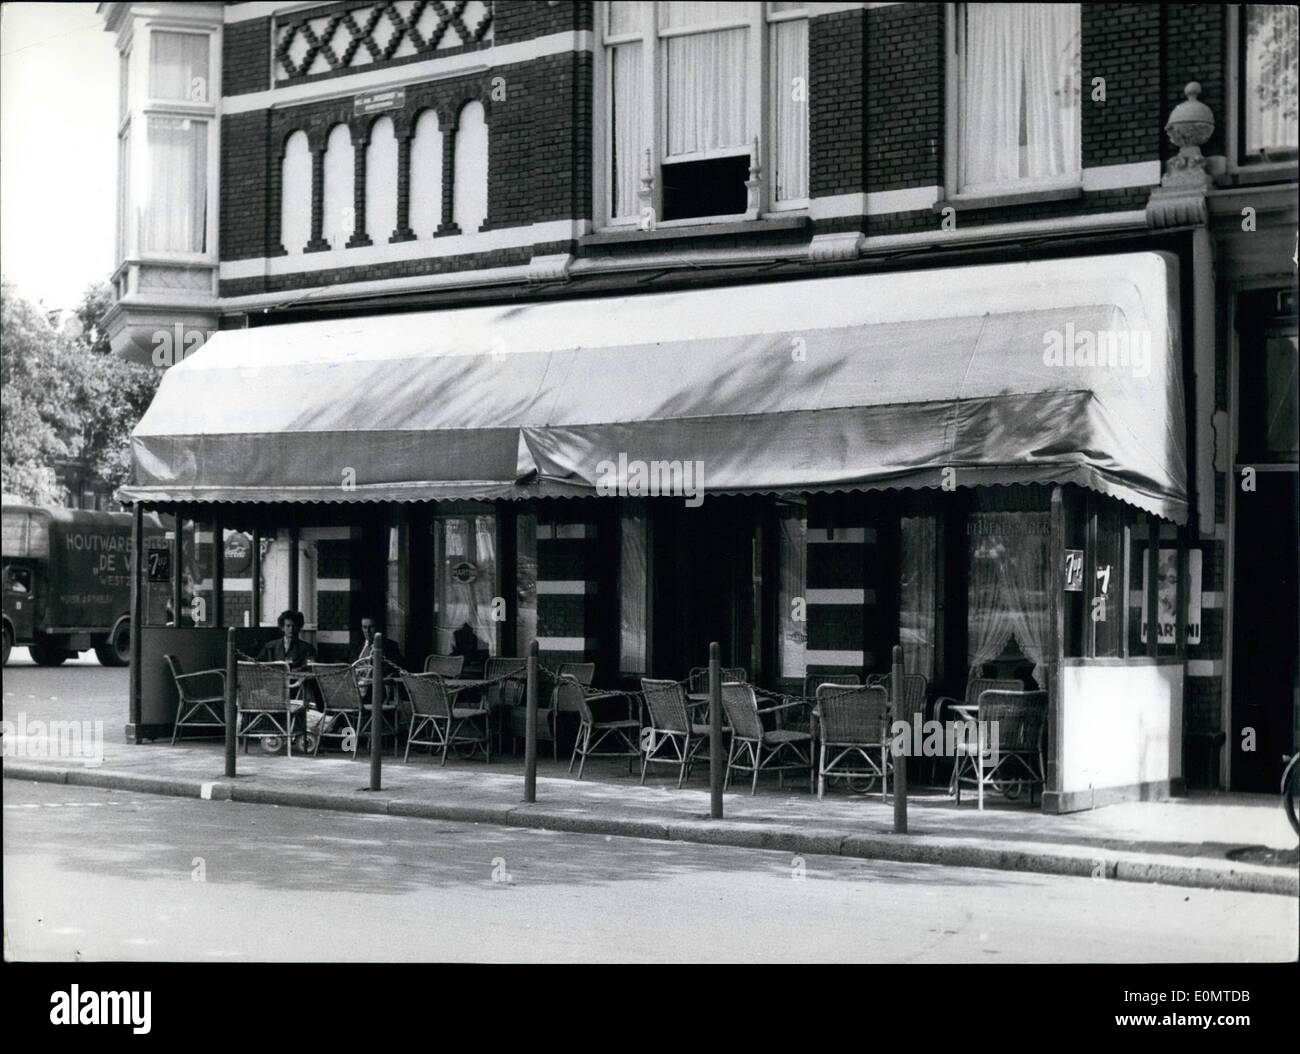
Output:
x,y
65,397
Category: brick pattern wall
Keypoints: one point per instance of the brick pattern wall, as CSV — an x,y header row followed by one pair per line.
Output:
x,y
246,56
905,96
836,93
518,20
1121,44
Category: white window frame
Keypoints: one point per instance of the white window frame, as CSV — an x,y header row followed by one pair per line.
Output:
x,y
143,107
1236,85
760,121
953,190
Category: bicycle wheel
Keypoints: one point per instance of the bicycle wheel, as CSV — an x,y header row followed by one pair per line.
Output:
x,y
1291,792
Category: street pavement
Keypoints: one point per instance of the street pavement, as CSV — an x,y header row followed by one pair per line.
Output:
x,y
96,875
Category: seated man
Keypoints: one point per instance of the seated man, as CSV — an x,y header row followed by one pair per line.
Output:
x,y
369,627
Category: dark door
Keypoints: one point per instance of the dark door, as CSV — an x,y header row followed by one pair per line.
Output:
x,y
1264,631
704,587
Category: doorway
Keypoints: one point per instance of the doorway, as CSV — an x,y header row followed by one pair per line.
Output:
x,y
706,584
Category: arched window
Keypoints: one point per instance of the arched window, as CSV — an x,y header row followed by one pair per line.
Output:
x,y
426,175
295,194
340,209
381,182
470,199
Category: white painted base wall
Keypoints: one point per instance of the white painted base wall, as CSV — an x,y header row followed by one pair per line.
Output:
x,y
1120,726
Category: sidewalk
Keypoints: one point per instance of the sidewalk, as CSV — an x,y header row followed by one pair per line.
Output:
x,y
1214,841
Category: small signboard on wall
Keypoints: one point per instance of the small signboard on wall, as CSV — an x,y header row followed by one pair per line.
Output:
x,y
1168,596
1074,570
378,101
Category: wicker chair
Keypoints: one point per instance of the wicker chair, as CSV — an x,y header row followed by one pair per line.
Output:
x,y
446,725
671,729
623,732
943,712
785,748
853,731
1019,720
806,721
564,702
341,704
201,695
445,665
505,693
266,712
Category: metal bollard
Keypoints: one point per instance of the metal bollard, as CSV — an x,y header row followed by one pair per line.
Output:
x,y
900,759
715,732
377,712
530,728
232,708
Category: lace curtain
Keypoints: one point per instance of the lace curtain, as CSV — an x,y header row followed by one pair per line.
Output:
x,y
1019,97
1008,587
790,108
916,594
626,87
178,67
175,216
1269,99
706,91
793,577
633,575
466,584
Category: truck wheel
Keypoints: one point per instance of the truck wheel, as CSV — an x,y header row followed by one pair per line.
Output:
x,y
47,655
8,645
116,651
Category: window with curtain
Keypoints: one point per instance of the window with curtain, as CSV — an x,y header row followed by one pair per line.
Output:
x,y
470,198
1008,587
788,29
465,577
683,83
175,199
426,175
381,182
295,194
792,618
633,591
178,66
339,204
1018,112
918,539
1268,61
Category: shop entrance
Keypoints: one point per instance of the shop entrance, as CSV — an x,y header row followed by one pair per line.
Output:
x,y
705,586
1265,629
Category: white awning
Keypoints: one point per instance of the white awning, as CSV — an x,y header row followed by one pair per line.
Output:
x,y
1062,371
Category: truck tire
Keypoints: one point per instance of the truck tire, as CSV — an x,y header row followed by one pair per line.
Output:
x,y
8,645
116,651
46,655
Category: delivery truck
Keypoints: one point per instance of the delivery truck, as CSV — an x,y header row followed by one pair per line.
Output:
x,y
67,582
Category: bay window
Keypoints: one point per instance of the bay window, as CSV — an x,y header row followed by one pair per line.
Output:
x,y
1016,79
706,110
1266,57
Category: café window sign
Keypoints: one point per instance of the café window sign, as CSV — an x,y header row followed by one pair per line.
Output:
x,y
1168,597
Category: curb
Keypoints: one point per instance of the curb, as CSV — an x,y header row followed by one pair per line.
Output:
x,y
1112,864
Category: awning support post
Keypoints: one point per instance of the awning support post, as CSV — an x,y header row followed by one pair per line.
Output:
x,y
530,728
715,731
178,556
232,708
900,755
376,710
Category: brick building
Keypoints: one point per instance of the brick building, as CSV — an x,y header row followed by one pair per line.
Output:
x,y
390,213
